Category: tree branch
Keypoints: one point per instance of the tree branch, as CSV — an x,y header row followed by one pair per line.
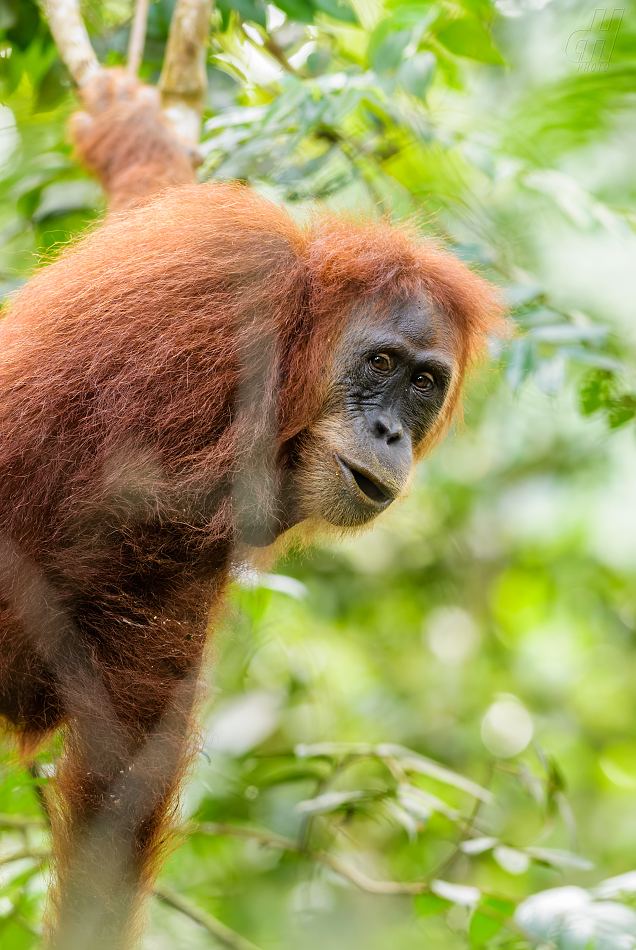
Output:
x,y
71,38
183,81
224,934
137,39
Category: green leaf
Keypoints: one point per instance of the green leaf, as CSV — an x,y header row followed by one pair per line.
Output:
x,y
594,393
301,11
224,11
417,72
521,362
252,10
62,196
619,886
329,801
337,9
266,773
428,905
421,804
28,202
466,895
581,354
569,333
410,15
7,15
54,85
413,762
499,905
556,779
558,858
483,927
488,918
386,47
393,34
511,860
468,37
478,845
407,5
24,30
483,9
621,411
521,294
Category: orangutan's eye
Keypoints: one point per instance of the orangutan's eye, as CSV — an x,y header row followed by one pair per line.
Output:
x,y
382,363
424,382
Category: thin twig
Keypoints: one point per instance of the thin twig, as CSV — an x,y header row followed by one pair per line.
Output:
x,y
275,50
466,829
356,877
224,934
306,825
137,39
33,854
68,31
183,81
20,823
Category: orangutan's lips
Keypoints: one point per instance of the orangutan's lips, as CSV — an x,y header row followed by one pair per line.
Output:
x,y
369,486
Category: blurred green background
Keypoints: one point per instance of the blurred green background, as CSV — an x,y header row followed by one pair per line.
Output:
x,y
488,625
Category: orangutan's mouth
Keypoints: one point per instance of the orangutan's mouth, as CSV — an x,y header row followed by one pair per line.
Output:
x,y
366,484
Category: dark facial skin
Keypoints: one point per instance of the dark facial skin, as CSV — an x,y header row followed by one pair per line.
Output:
x,y
390,380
